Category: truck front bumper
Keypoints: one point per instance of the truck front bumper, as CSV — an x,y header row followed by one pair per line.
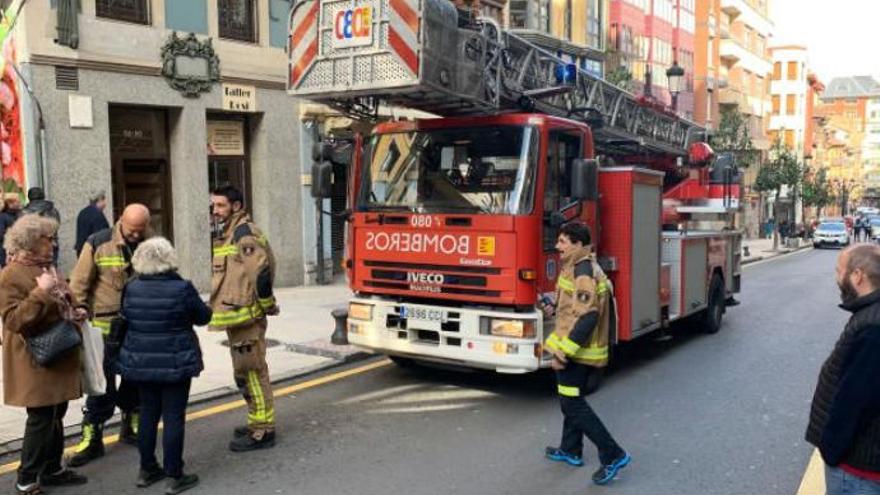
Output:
x,y
447,335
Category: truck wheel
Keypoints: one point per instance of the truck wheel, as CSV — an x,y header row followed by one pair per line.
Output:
x,y
715,311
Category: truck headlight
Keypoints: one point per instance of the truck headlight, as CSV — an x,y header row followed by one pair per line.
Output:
x,y
357,311
521,329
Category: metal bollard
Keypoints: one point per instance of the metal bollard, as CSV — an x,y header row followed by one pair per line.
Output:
x,y
340,333
746,252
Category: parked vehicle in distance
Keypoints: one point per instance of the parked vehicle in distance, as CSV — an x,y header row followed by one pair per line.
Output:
x,y
831,234
875,228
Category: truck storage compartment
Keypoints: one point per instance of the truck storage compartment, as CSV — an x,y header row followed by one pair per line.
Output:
x,y
630,215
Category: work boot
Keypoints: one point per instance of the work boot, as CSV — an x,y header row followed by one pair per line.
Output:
x,y
242,431
65,477
147,477
90,447
254,441
181,484
129,428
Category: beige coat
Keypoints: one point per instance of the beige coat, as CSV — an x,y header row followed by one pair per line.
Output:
x,y
243,271
100,274
25,310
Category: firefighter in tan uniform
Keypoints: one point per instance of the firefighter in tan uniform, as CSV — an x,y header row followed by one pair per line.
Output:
x,y
241,298
579,343
103,268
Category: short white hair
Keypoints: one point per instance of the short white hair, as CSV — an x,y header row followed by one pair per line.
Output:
x,y
153,256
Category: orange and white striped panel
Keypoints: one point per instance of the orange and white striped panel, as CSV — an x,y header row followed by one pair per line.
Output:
x,y
403,32
303,47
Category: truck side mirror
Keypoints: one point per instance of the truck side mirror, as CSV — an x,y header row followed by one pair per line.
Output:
x,y
322,180
321,151
585,179
557,219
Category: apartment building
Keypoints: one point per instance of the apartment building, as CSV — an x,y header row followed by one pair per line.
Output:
x,y
854,103
790,95
732,73
646,37
871,151
158,101
745,67
576,30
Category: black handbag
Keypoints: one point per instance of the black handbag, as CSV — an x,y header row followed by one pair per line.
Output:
x,y
54,343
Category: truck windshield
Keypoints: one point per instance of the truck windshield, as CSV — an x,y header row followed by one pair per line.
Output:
x,y
480,169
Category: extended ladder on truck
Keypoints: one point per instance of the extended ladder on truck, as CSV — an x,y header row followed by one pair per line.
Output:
x,y
426,55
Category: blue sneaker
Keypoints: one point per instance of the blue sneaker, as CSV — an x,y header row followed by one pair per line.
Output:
x,y
559,455
607,473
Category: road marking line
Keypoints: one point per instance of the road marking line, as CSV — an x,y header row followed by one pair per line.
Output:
x,y
236,404
813,482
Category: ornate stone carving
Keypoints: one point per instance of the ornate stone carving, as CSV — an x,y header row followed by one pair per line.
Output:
x,y
189,65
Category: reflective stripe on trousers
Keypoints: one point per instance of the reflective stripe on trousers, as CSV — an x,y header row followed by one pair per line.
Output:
x,y
102,325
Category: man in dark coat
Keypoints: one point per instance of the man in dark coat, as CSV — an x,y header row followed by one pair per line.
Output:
x,y
845,414
91,220
39,205
11,212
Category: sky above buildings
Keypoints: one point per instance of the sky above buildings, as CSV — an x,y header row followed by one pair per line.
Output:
x,y
840,35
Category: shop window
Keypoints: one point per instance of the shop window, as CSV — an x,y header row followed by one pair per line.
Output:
x,y
228,155
237,20
136,11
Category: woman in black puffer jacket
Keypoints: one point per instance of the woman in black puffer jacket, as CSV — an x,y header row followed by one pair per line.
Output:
x,y
161,354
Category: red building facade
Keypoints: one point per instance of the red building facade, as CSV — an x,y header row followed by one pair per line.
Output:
x,y
647,37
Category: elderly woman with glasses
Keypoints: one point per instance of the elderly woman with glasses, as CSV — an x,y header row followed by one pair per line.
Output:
x,y
33,299
160,353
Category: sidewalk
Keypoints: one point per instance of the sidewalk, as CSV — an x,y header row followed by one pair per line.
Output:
x,y
299,342
761,249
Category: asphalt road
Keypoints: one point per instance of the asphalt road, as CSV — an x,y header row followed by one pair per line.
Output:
x,y
719,414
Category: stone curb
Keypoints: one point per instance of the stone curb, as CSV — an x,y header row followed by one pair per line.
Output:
x,y
339,359
776,255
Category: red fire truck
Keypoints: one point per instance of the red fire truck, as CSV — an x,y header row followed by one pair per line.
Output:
x,y
454,219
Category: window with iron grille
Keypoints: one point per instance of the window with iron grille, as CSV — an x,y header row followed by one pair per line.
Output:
x,y
237,19
135,11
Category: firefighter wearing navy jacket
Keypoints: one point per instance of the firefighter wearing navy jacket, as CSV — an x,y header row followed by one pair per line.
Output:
x,y
579,343
241,297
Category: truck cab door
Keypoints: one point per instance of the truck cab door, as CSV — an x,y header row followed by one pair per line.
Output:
x,y
564,146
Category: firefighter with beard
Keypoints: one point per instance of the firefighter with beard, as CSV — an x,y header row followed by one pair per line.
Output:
x,y
242,298
579,343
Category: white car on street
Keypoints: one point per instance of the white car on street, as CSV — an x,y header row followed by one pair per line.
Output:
x,y
831,234
875,228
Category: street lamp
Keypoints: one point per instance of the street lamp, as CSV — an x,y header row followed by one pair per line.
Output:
x,y
675,79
